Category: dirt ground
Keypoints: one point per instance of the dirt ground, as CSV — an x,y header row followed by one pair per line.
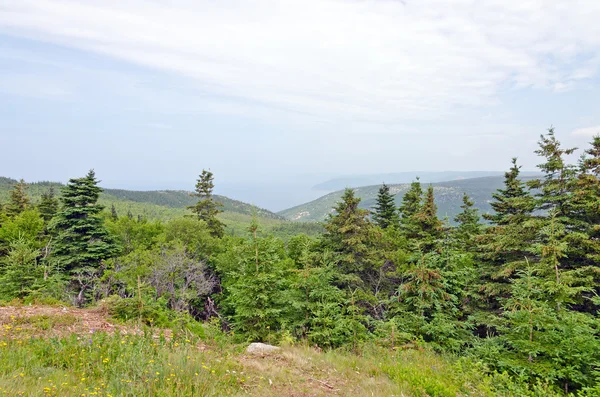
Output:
x,y
60,321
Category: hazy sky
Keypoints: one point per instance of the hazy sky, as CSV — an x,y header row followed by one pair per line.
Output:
x,y
151,92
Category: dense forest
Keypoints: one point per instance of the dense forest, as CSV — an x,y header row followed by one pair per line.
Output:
x,y
513,296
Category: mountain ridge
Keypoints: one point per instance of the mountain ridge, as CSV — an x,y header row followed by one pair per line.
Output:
x,y
178,200
448,197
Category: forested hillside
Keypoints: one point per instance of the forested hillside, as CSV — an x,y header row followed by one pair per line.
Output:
x,y
505,307
448,197
125,199
164,205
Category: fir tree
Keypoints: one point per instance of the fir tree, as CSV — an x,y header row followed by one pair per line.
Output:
x,y
113,213
585,237
561,233
542,340
347,234
428,226
468,225
48,207
207,208
411,205
82,240
512,204
385,213
19,200
507,244
555,187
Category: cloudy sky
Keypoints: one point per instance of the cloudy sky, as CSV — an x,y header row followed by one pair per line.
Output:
x,y
151,92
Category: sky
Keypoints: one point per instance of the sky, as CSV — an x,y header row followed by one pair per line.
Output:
x,y
274,96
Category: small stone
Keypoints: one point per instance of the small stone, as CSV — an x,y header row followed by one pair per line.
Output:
x,y
261,348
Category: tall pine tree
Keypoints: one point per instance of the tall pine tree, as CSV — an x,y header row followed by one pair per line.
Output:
x,y
429,226
468,225
347,234
506,245
207,209
513,203
385,213
411,205
19,200
82,240
49,205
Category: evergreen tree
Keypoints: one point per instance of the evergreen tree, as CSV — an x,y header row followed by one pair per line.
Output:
x,y
468,225
585,237
82,240
113,213
561,233
48,207
347,234
257,279
19,200
507,244
428,226
207,208
513,203
385,213
411,205
555,187
542,341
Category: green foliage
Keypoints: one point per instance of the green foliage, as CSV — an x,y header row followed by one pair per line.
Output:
x,y
19,200
513,203
517,299
23,273
468,225
207,209
27,225
256,278
48,207
411,205
539,341
347,235
149,311
82,240
385,213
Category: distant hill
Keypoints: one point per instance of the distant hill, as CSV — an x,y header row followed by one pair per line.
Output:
x,y
169,204
176,199
404,177
448,197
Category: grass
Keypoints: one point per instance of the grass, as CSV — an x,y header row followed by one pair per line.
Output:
x,y
33,362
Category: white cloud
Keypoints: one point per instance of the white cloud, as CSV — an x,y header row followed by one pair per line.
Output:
x,y
588,131
377,61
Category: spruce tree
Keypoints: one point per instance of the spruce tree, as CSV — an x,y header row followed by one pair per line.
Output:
x,y
82,240
411,205
468,225
347,234
505,246
429,227
48,207
513,203
585,238
207,209
555,187
113,213
19,200
385,213
561,233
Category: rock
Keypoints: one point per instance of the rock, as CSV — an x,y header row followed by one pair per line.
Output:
x,y
261,348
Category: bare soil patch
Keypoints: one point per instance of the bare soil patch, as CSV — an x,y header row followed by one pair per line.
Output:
x,y
62,321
